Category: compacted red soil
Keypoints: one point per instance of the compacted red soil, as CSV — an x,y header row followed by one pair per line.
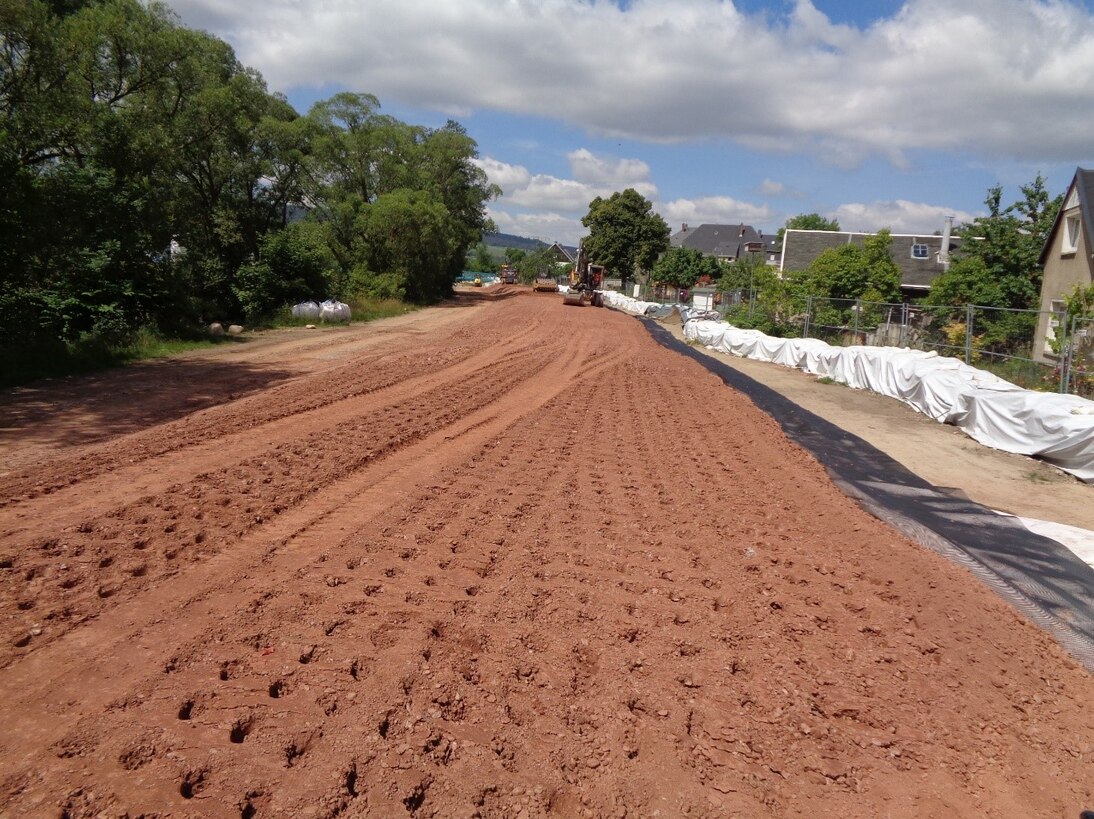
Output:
x,y
506,559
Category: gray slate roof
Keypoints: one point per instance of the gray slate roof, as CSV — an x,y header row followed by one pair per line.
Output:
x,y
722,241
801,247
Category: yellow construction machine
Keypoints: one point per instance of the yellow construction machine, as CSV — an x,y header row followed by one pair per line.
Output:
x,y
586,279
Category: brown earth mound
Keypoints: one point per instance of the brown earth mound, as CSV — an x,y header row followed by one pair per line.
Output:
x,y
506,560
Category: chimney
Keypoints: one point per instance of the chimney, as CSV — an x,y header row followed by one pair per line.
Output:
x,y
741,232
944,251
684,228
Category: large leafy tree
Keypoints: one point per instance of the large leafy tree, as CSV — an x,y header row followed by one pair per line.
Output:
x,y
683,267
998,264
361,157
625,235
124,134
852,271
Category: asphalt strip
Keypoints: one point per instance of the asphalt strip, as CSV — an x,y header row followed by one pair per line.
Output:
x,y
1040,577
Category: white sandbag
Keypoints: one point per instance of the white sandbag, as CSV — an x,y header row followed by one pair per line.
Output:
x,y
334,311
305,310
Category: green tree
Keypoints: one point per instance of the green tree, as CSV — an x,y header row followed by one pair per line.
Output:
x,y
808,221
539,262
295,264
481,261
683,267
998,263
360,157
408,235
852,271
744,274
625,235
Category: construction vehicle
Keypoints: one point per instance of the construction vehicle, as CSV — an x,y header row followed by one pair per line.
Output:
x,y
544,283
586,280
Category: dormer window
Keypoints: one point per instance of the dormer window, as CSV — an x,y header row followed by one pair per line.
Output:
x,y
921,252
1071,234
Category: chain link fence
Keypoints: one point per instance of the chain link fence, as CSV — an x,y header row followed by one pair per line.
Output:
x,y
1077,361
997,339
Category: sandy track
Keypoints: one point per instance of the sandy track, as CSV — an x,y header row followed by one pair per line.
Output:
x,y
475,568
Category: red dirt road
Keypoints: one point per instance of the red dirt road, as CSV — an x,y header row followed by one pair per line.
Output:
x,y
468,563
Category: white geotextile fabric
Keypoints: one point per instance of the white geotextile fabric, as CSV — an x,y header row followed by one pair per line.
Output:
x,y
1056,428
1079,541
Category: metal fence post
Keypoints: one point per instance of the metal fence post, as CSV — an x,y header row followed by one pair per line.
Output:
x,y
968,333
904,325
808,315
1067,327
1069,354
751,302
858,312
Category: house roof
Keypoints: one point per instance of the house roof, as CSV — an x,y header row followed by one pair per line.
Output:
x,y
1083,183
721,241
801,247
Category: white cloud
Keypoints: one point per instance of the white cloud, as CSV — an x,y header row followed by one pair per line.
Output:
x,y
1012,79
719,210
547,226
507,177
770,187
552,196
607,171
899,216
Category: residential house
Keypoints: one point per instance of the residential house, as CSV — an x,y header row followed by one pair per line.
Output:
x,y
920,258
1067,259
727,243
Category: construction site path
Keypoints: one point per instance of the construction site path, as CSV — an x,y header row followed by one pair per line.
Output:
x,y
466,563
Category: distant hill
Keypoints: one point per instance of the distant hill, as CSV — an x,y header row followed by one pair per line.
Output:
x,y
504,240
507,240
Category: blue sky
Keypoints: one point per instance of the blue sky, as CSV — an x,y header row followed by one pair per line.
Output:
x,y
879,114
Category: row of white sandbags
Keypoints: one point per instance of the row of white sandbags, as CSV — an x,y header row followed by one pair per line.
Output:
x,y
627,304
1057,428
329,310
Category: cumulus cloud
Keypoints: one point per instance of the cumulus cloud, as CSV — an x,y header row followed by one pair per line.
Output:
x,y
899,216
546,226
718,210
1008,78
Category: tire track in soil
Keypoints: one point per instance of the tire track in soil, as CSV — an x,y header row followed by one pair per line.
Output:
x,y
285,401
320,527
67,576
561,604
156,474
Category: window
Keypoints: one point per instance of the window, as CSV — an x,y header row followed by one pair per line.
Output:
x,y
920,252
1071,233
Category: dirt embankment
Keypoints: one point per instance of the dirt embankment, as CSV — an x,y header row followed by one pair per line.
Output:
x,y
477,566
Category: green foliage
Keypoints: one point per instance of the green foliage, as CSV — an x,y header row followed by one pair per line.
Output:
x,y
852,271
539,262
808,221
998,264
295,264
743,274
683,267
123,133
481,261
1080,302
625,235
410,234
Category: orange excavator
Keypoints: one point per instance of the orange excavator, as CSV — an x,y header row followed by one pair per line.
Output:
x,y
586,279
